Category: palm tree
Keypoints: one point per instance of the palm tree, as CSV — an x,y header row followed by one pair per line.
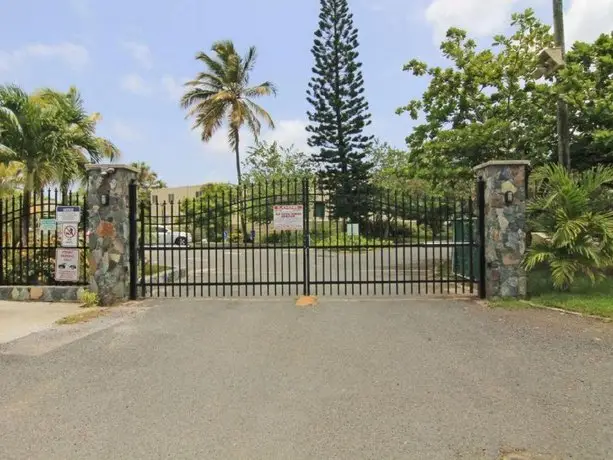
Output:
x,y
77,136
573,209
29,135
222,93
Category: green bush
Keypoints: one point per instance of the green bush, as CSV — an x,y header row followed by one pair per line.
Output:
x,y
89,299
573,210
341,239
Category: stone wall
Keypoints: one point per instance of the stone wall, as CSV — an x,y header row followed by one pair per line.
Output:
x,y
42,293
108,224
505,227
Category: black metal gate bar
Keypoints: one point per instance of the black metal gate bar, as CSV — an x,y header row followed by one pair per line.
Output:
x,y
399,243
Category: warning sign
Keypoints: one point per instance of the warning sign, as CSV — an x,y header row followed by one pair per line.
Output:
x,y
70,235
68,214
288,217
66,264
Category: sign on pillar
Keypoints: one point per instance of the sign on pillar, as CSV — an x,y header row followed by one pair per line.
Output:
x,y
67,257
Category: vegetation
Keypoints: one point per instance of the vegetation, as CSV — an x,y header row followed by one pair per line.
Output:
x,y
583,296
51,136
147,180
89,299
221,92
339,111
573,210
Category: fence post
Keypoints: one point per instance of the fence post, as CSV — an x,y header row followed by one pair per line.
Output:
x,y
503,235
109,227
1,241
133,238
481,206
306,272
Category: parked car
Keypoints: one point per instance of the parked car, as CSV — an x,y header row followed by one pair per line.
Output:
x,y
164,235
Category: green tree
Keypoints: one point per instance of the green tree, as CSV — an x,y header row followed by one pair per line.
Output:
x,y
222,93
587,85
486,105
50,134
573,209
274,175
212,211
147,180
76,136
339,111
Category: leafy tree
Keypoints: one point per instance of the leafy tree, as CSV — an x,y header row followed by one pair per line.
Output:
x,y
11,179
275,175
267,162
587,85
339,109
147,180
50,134
485,106
573,210
212,211
221,92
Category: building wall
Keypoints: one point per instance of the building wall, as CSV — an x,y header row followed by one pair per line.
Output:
x,y
172,196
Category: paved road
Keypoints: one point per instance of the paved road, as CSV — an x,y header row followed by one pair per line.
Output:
x,y
420,379
254,271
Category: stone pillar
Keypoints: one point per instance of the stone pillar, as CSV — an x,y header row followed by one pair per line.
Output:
x,y
108,227
505,226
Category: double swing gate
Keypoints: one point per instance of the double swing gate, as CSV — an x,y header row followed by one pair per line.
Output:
x,y
295,237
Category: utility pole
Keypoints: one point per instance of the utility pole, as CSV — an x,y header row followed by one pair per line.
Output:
x,y
563,131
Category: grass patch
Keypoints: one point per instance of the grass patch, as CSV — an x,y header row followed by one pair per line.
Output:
x,y
82,317
152,269
583,297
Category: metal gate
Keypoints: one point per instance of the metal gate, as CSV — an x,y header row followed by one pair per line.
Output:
x,y
294,237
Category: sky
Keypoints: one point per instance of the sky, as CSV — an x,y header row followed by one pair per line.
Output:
x,y
129,59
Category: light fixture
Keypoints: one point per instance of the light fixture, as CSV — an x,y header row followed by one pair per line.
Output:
x,y
508,197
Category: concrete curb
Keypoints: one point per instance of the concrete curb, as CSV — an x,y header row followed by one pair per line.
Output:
x,y
42,293
167,276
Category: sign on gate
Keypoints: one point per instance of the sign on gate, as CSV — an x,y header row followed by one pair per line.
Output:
x,y
47,225
70,235
66,264
67,214
288,217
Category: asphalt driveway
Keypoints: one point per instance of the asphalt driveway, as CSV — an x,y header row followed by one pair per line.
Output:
x,y
365,378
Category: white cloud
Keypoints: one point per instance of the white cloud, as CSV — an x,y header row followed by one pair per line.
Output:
x,y
287,133
140,52
136,84
74,56
173,87
122,131
480,17
587,19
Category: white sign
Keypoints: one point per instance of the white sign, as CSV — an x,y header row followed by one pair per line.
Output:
x,y
68,214
70,235
66,264
288,217
353,229
47,225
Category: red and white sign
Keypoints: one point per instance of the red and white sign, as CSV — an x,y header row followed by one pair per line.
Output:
x,y
66,264
288,217
70,235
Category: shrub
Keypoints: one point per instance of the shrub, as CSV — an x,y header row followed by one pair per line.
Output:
x,y
89,299
573,209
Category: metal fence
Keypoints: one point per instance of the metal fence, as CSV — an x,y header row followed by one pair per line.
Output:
x,y
350,242
28,246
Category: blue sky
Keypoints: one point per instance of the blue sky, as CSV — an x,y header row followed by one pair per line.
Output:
x,y
129,59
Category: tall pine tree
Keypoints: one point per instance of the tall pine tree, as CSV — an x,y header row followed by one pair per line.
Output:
x,y
340,111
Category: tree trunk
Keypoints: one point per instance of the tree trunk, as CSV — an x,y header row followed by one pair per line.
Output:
x,y
241,196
